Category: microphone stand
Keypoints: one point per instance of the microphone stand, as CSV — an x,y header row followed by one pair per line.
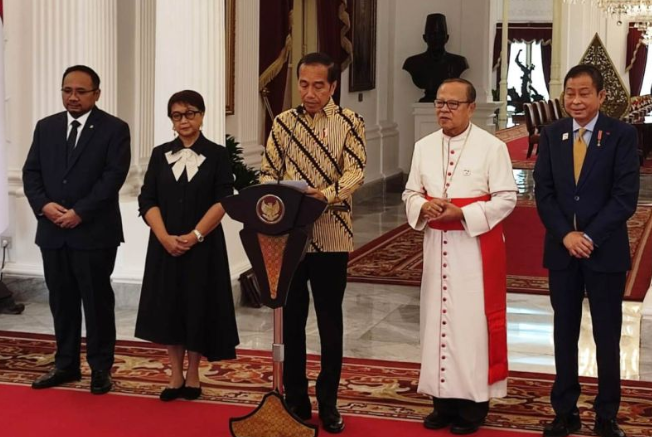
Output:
x,y
278,347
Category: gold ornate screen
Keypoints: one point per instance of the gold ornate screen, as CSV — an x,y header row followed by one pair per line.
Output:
x,y
617,103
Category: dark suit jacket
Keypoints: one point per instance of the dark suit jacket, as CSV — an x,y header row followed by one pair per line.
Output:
x,y
89,185
604,198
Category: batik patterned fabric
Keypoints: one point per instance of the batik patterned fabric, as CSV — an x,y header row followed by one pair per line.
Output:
x,y
328,152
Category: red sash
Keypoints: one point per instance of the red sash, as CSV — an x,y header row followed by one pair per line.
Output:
x,y
494,273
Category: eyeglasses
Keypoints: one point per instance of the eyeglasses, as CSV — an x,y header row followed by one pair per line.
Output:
x,y
189,114
452,104
81,92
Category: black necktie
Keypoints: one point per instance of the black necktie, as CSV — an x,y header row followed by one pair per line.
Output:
x,y
72,140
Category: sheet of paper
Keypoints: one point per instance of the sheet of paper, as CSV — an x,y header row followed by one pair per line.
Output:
x,y
298,185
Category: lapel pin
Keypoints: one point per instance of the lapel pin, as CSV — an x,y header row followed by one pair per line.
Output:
x,y
564,137
90,127
599,137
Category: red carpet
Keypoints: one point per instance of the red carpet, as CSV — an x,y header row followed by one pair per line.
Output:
x,y
377,398
396,257
516,139
74,413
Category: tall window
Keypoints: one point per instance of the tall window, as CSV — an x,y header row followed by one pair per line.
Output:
x,y
529,56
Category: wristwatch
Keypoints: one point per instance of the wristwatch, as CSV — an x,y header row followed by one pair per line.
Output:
x,y
200,237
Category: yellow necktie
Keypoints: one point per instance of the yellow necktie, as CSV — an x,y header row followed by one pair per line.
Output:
x,y
579,153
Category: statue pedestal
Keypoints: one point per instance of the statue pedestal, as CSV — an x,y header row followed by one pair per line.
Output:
x,y
425,120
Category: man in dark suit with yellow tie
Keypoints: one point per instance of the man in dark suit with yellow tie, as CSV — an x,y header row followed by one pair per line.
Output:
x,y
586,187
76,165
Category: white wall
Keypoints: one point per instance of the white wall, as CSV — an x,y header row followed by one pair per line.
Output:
x,y
527,10
410,21
376,105
580,23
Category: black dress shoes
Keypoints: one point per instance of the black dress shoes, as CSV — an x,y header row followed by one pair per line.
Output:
x,y
101,382
56,377
435,420
331,420
302,409
461,427
563,425
607,428
169,394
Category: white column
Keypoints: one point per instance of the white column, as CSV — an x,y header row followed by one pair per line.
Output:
x,y
555,62
385,61
137,45
504,63
244,122
190,47
66,33
145,47
477,47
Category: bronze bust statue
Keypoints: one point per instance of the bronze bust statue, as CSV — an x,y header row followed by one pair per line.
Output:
x,y
430,68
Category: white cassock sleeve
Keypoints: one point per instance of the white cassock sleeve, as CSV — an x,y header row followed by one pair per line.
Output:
x,y
414,195
481,217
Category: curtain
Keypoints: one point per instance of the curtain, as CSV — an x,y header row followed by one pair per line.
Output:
x,y
275,47
332,27
636,60
546,60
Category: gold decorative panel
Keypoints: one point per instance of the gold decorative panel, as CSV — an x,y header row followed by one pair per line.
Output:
x,y
616,104
271,419
273,248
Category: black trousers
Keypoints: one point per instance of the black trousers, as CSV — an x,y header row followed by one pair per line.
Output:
x,y
465,409
74,277
326,273
605,293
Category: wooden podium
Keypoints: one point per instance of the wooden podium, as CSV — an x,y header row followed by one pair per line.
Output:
x,y
278,222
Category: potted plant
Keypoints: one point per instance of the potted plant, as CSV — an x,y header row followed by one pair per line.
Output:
x,y
244,177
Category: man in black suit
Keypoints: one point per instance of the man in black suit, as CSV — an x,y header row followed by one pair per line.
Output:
x,y
77,163
586,187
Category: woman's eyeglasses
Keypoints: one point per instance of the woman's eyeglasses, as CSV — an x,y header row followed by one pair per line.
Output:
x,y
189,114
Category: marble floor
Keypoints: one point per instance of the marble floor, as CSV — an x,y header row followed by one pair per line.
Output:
x,y
382,321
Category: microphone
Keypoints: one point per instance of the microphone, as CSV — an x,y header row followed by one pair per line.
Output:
x,y
298,112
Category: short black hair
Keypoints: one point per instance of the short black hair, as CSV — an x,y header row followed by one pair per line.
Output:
x,y
470,89
319,58
189,97
588,69
95,78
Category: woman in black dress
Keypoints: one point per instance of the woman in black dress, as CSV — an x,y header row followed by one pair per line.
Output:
x,y
186,301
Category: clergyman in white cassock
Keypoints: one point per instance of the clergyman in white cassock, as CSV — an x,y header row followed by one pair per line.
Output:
x,y
460,188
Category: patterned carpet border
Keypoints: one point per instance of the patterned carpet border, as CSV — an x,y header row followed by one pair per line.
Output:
x,y
395,258
512,133
371,388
